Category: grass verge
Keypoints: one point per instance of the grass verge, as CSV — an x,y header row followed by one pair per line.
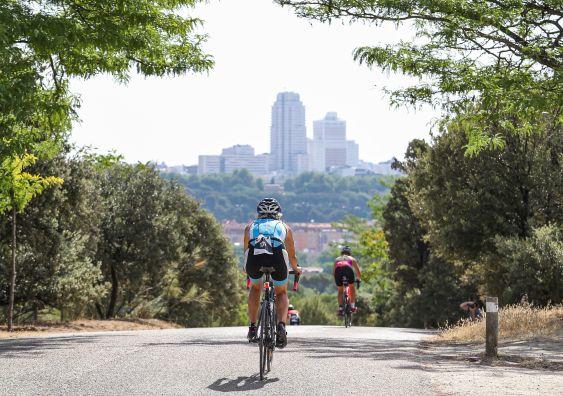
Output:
x,y
86,325
516,322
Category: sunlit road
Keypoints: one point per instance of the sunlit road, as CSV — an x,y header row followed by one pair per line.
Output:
x,y
317,360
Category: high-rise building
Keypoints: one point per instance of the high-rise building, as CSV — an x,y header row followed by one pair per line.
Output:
x,y
288,136
329,141
352,153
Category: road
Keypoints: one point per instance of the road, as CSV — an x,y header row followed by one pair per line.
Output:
x,y
318,360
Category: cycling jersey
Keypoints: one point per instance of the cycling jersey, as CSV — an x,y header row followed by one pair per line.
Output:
x,y
266,248
344,268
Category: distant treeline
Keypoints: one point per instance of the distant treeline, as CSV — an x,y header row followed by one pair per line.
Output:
x,y
117,240
307,197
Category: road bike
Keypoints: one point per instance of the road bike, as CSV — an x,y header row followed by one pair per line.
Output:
x,y
346,301
267,321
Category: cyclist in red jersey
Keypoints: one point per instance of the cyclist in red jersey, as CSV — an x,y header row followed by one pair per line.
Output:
x,y
344,266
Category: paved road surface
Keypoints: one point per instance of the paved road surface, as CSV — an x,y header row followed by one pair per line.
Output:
x,y
318,360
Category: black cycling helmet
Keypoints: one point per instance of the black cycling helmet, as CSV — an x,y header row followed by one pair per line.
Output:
x,y
269,207
346,250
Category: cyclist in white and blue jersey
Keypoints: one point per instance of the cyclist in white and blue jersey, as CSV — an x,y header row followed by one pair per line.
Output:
x,y
268,242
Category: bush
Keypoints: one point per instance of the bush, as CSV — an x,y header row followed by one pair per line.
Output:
x,y
532,266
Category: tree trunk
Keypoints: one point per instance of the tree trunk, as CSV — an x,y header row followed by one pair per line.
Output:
x,y
35,312
113,295
13,270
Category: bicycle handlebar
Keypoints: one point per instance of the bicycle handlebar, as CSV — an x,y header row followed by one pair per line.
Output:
x,y
296,277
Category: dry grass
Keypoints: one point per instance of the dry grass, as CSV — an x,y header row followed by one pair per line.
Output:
x,y
516,322
86,325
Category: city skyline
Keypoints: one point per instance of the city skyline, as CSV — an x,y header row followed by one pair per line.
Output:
x,y
173,119
291,151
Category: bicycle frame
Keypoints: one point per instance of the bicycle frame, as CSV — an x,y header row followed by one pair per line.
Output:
x,y
346,303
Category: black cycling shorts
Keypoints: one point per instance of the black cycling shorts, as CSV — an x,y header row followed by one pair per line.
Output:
x,y
341,272
278,260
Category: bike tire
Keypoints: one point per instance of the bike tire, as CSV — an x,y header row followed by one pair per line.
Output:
x,y
346,310
273,334
262,344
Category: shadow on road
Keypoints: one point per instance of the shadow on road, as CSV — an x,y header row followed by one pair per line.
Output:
x,y
330,348
240,384
33,347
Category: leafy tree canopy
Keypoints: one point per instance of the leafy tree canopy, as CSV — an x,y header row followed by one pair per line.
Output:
x,y
504,54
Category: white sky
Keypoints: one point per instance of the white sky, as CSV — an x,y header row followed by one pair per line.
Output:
x,y
260,49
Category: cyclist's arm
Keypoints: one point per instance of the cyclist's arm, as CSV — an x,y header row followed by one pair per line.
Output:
x,y
246,238
290,247
357,268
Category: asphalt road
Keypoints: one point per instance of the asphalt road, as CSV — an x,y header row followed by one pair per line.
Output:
x,y
318,360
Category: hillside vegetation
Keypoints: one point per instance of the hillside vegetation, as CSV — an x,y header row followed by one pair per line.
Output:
x,y
307,197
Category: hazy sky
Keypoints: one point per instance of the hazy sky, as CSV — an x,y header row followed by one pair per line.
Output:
x,y
260,49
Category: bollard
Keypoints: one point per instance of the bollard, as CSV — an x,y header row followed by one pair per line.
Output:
x,y
492,327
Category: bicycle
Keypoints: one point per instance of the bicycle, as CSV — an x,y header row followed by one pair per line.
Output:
x,y
267,321
346,302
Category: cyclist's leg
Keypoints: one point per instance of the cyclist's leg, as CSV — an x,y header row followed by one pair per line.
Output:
x,y
340,295
254,302
338,274
280,262
351,285
282,302
252,267
352,293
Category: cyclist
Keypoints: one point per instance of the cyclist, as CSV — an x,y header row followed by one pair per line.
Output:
x,y
269,242
293,315
344,266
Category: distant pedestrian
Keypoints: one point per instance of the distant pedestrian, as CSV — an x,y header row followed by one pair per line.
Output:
x,y
473,309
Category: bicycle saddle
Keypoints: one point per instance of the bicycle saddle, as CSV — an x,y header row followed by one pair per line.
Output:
x,y
267,270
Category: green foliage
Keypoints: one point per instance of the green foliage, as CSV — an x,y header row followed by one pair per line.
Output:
x,y
531,266
118,240
459,225
505,53
309,196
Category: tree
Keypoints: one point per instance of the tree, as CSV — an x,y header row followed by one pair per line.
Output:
x,y
464,202
17,189
43,44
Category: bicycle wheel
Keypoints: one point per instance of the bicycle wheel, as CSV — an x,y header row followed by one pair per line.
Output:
x,y
346,310
262,342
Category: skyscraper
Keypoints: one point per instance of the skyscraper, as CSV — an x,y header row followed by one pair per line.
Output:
x,y
288,136
329,136
352,153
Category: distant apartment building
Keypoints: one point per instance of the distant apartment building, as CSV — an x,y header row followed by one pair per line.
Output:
x,y
288,135
233,158
242,157
209,164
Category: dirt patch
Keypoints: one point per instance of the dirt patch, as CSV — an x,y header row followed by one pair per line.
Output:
x,y
86,326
